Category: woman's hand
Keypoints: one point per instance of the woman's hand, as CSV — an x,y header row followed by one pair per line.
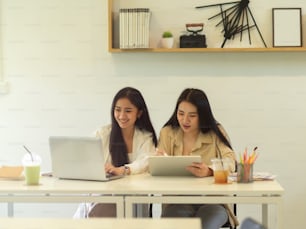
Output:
x,y
161,152
109,168
199,169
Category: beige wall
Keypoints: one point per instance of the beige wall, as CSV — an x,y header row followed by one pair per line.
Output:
x,y
62,80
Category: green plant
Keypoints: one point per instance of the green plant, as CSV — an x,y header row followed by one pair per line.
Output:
x,y
167,34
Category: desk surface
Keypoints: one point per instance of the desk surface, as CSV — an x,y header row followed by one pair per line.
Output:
x,y
105,223
139,189
143,184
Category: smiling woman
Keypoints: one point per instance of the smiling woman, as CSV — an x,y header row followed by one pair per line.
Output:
x,y
127,143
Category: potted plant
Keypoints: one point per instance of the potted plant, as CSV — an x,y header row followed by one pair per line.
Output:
x,y
167,40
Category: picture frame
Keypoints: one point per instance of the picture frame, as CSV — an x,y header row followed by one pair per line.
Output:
x,y
287,27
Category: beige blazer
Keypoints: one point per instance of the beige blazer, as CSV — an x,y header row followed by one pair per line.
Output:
x,y
207,145
171,141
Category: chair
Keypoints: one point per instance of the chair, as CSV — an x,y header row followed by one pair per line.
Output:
x,y
250,223
228,224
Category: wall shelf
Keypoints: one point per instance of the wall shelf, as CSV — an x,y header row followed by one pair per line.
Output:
x,y
207,50
113,35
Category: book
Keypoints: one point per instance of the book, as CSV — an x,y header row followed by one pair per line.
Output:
x,y
134,28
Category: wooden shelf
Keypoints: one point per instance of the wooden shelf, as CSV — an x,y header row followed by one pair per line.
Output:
x,y
113,49
208,50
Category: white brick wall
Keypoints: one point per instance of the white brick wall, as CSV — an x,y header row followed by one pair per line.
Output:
x,y
62,80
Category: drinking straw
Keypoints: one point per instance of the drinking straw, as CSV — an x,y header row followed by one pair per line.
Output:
x,y
29,152
220,156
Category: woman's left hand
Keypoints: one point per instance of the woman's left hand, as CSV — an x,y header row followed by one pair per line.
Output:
x,y
199,169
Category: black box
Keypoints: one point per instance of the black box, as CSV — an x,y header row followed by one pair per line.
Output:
x,y
193,40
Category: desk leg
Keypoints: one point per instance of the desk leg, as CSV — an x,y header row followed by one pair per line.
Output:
x,y
279,213
128,208
141,210
120,209
134,209
280,216
10,209
264,215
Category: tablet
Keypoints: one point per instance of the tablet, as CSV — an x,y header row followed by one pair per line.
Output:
x,y
171,165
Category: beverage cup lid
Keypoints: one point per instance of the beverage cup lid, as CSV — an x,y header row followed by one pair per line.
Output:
x,y
218,163
27,160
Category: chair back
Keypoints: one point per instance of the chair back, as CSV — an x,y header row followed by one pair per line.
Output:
x,y
250,223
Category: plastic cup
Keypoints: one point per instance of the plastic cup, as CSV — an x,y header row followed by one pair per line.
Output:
x,y
221,170
31,169
244,173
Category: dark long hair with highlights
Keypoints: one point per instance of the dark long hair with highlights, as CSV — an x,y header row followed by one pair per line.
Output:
x,y
207,121
117,146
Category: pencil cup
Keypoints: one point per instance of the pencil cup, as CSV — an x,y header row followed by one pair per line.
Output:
x,y
244,173
221,170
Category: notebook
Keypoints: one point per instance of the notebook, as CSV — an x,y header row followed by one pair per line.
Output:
x,y
79,158
171,165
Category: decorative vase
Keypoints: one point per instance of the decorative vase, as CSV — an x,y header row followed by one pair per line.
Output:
x,y
167,42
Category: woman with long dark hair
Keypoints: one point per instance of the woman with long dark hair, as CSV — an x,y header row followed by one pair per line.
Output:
x,y
193,130
131,137
127,144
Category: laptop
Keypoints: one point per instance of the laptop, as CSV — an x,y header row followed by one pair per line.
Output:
x,y
78,158
171,165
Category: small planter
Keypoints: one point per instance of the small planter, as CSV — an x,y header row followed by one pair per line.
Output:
x,y
167,42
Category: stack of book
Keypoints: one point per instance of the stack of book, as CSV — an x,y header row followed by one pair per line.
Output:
x,y
134,28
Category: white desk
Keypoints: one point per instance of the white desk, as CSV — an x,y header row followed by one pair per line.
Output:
x,y
203,190
52,190
144,188
105,223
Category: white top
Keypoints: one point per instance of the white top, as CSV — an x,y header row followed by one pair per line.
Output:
x,y
143,147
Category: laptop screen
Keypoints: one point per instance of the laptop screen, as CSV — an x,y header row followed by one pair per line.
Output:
x,y
77,158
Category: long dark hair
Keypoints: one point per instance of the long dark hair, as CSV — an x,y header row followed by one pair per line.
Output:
x,y
207,121
117,146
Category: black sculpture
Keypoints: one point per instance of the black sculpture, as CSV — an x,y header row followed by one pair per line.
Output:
x,y
235,20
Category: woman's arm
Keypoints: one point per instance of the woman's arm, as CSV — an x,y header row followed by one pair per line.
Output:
x,y
143,147
165,142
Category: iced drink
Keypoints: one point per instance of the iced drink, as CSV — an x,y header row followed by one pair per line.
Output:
x,y
31,164
221,170
221,176
32,174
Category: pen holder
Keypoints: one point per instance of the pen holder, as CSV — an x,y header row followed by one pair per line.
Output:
x,y
244,173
